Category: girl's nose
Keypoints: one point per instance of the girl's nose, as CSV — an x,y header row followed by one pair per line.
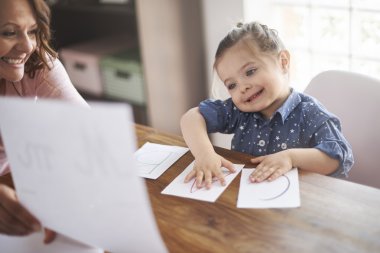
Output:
x,y
26,44
244,87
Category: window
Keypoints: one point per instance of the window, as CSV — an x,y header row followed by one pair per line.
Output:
x,y
324,34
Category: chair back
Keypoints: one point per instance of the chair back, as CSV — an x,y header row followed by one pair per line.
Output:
x,y
355,99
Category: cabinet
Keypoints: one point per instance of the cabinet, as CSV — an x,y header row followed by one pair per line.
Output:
x,y
170,40
76,22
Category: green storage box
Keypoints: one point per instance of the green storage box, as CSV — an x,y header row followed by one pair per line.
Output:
x,y
123,77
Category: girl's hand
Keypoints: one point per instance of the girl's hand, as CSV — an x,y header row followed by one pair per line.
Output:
x,y
271,166
207,167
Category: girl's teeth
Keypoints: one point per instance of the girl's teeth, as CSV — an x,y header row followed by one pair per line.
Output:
x,y
11,60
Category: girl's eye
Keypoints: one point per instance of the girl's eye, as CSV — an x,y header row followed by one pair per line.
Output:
x,y
250,72
231,86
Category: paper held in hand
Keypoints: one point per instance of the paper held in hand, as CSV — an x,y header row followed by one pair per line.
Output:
x,y
73,168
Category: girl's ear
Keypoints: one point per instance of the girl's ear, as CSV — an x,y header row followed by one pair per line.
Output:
x,y
284,60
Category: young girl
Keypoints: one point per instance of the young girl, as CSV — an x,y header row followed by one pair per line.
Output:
x,y
282,128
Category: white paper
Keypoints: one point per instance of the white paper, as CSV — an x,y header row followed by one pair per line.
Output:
x,y
189,190
280,193
34,243
154,159
74,169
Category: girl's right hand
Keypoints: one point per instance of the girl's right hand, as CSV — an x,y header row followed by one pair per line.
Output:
x,y
207,167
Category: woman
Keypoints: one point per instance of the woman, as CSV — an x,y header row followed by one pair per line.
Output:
x,y
28,68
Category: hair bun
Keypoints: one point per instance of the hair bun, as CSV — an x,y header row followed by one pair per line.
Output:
x,y
239,24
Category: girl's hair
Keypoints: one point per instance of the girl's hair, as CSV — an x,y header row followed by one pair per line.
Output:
x,y
44,52
257,36
264,38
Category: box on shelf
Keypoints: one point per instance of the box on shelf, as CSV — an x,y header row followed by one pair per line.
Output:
x,y
123,76
82,61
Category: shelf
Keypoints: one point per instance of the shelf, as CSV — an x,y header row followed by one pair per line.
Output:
x,y
116,9
77,22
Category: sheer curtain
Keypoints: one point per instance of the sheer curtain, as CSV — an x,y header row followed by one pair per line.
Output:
x,y
323,34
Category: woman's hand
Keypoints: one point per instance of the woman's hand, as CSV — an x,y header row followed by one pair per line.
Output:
x,y
50,235
207,167
271,166
14,218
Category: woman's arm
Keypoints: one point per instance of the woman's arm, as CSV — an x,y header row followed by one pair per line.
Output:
x,y
56,83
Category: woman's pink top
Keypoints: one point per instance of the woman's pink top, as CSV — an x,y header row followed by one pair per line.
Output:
x,y
53,83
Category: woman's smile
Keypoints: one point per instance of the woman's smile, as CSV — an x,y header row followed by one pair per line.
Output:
x,y
13,62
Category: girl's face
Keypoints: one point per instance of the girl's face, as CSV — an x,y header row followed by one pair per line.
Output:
x,y
256,82
18,29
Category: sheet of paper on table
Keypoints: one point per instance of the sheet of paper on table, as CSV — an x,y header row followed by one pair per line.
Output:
x,y
74,169
34,243
154,159
189,190
280,193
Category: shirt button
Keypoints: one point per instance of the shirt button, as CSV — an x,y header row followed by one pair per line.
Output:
x,y
283,145
261,143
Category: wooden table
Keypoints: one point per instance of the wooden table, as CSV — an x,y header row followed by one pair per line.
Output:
x,y
335,215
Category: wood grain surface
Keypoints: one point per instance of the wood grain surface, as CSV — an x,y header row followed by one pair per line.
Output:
x,y
335,215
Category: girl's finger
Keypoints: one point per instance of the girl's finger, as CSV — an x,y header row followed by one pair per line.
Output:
x,y
199,178
257,159
220,176
257,173
228,165
190,176
208,179
277,174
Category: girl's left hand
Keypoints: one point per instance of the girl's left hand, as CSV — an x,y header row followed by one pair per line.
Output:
x,y
271,166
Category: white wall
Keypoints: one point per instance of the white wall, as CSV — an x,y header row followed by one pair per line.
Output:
x,y
219,16
171,43
172,53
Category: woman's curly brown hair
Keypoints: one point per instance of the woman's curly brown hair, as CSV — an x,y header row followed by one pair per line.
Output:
x,y
44,52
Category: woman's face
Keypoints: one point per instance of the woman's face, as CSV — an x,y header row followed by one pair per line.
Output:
x,y
18,30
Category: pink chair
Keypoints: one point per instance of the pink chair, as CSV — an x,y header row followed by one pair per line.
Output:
x,y
355,99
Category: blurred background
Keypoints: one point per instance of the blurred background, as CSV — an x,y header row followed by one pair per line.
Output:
x,y
157,55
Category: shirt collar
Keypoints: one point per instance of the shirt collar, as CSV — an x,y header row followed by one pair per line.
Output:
x,y
288,106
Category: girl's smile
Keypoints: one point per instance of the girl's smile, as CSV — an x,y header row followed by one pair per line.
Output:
x,y
254,97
